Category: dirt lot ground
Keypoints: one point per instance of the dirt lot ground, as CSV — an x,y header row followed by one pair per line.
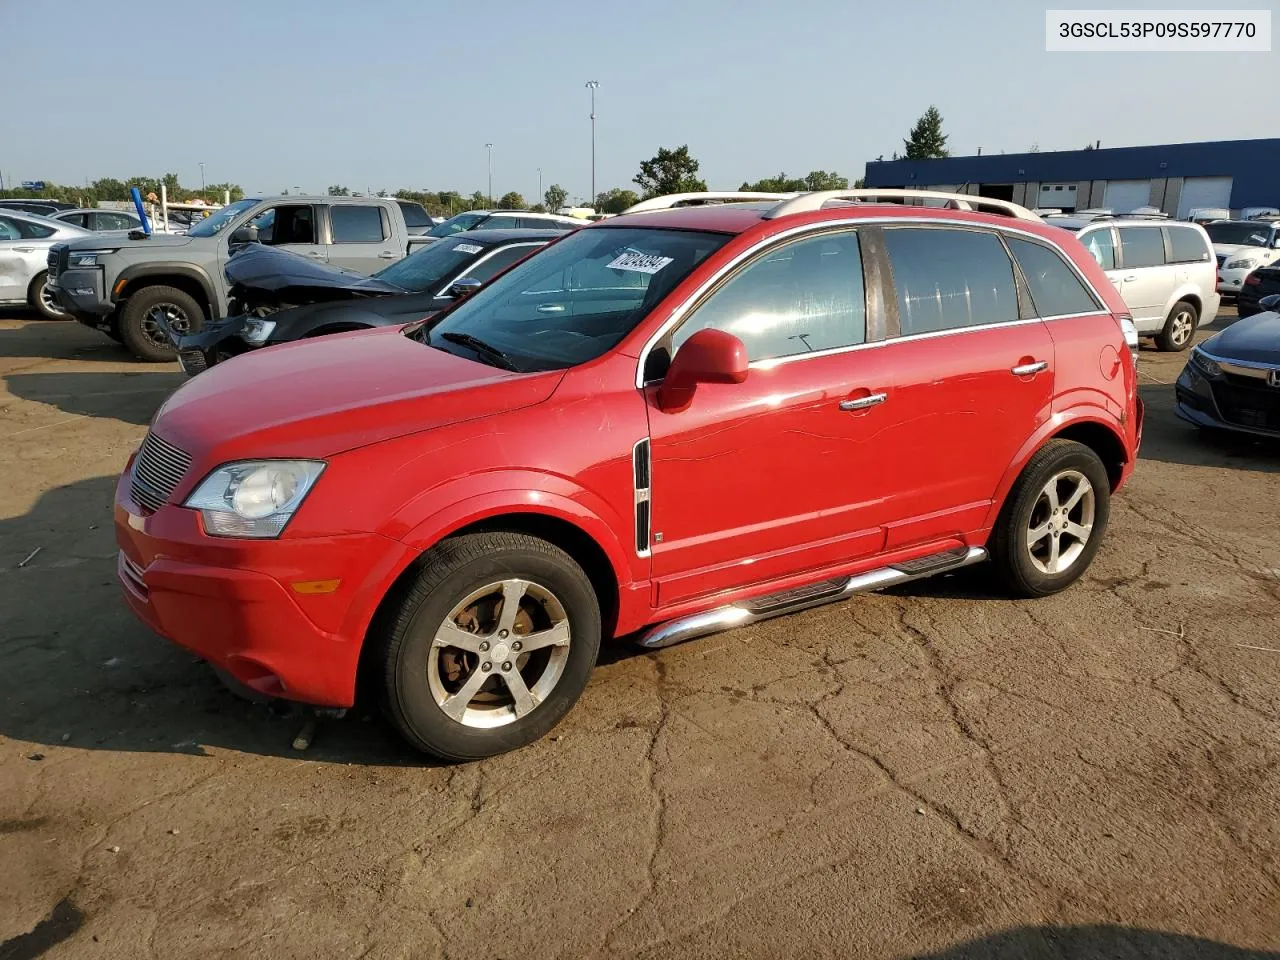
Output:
x,y
931,772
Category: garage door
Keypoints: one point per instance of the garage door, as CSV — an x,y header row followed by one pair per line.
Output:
x,y
1204,192
1124,196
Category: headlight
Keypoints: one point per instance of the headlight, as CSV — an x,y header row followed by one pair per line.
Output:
x,y
256,331
1203,363
253,498
86,258
1244,263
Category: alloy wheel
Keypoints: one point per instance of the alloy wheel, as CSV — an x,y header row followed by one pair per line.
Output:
x,y
50,302
169,313
499,653
1182,328
1061,522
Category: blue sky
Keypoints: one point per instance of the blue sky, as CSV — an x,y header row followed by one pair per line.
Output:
x,y
383,94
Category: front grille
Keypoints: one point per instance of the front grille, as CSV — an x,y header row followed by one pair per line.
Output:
x,y
54,262
1248,405
159,468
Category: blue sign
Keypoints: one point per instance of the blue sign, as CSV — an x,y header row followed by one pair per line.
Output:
x,y
32,184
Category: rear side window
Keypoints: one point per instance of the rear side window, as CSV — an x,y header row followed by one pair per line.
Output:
x,y
355,224
1187,245
950,279
1103,248
8,231
415,215
798,298
1141,246
1055,288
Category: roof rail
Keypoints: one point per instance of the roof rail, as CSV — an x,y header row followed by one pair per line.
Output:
x,y
808,202
705,196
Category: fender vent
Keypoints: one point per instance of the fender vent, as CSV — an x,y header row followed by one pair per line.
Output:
x,y
640,472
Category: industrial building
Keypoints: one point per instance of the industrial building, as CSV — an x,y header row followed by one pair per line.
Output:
x,y
1175,177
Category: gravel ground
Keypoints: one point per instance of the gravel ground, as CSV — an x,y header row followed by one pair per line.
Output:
x,y
932,772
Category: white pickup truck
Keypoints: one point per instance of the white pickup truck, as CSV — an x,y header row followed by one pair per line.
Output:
x,y
124,285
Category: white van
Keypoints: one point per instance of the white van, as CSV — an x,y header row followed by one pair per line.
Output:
x,y
1164,269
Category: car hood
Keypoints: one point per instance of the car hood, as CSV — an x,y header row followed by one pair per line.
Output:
x,y
318,397
267,270
1254,339
123,242
1230,250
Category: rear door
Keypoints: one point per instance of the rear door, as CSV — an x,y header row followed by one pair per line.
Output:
x,y
970,377
13,266
1146,281
361,237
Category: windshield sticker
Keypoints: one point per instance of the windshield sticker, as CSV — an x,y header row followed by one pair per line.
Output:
x,y
467,248
639,262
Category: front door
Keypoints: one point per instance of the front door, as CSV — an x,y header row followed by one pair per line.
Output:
x,y
779,474
293,227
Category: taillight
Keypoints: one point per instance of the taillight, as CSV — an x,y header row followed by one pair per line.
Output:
x,y
1253,280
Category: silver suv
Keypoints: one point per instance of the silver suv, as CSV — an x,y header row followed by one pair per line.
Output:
x,y
1165,271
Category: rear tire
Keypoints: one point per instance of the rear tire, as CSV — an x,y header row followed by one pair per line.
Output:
x,y
139,330
1052,521
41,299
1179,328
465,673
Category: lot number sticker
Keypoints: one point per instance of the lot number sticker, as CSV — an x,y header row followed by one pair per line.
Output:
x,y
467,248
638,262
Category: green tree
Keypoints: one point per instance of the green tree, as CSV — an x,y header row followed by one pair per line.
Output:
x,y
450,202
511,201
538,208
779,184
927,141
339,191
478,201
821,180
859,184
669,171
109,188
555,197
615,200
171,185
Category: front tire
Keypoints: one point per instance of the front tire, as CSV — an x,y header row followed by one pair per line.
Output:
x,y
1053,520
1179,328
42,300
140,329
490,647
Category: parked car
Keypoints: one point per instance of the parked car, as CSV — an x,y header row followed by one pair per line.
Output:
x,y
131,289
113,221
664,424
1232,380
502,220
1163,269
278,297
25,241
416,219
36,205
1242,246
1204,215
1261,283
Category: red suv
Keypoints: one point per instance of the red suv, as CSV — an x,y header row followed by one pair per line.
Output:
x,y
669,423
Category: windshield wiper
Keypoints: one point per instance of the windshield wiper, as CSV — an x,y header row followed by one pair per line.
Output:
x,y
499,358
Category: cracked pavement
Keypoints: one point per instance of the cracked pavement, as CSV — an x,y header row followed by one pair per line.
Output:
x,y
902,774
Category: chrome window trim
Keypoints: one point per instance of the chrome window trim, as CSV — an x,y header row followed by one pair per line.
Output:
x,y
492,252
680,312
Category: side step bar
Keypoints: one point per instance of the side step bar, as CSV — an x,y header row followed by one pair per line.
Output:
x,y
801,598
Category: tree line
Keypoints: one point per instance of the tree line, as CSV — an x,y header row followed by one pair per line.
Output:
x,y
670,170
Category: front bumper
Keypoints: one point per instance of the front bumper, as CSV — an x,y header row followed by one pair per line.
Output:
x,y
82,293
253,608
1230,281
216,341
1227,405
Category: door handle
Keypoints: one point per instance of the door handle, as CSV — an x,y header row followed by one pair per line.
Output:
x,y
315,254
1132,276
551,308
24,249
386,255
1027,369
861,403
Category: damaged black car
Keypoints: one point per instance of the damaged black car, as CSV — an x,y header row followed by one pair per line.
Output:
x,y
278,297
1232,380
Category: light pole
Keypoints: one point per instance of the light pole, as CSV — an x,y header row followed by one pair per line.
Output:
x,y
593,85
489,147
202,186
539,197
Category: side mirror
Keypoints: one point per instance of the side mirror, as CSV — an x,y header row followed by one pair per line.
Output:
x,y
1276,242
709,356
463,287
245,234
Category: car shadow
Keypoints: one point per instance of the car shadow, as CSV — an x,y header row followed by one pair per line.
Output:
x,y
1094,942
26,334
78,670
132,396
1168,439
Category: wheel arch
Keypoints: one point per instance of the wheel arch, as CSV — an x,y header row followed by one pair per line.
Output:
x,y
188,278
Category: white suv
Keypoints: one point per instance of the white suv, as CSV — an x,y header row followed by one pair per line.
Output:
x,y
1164,270
1242,246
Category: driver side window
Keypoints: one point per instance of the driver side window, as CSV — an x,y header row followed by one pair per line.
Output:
x,y
288,223
800,297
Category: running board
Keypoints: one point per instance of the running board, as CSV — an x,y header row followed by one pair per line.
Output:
x,y
802,598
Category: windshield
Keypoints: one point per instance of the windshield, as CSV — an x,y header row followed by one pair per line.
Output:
x,y
421,271
1233,231
218,220
463,221
579,297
